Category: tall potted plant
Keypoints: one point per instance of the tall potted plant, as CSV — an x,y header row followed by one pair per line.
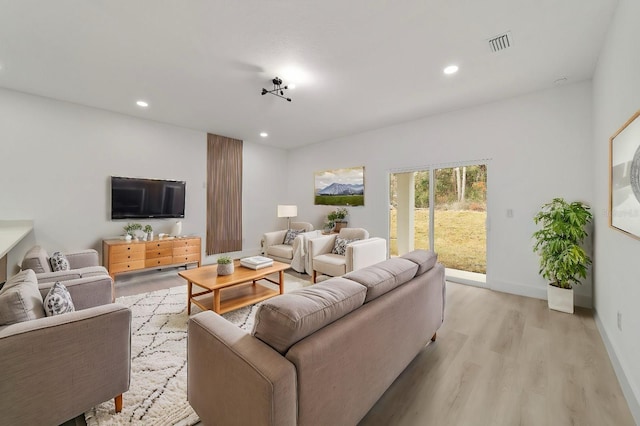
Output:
x,y
563,260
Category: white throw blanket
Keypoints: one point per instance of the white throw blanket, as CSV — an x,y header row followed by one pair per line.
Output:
x,y
300,261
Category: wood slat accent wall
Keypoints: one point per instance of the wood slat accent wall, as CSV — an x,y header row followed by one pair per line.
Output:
x,y
224,194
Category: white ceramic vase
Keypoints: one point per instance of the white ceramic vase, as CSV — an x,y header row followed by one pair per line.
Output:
x,y
176,231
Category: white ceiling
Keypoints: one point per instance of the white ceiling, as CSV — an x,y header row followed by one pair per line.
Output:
x,y
362,64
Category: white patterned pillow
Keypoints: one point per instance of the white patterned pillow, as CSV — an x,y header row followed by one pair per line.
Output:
x,y
59,262
58,300
340,247
291,235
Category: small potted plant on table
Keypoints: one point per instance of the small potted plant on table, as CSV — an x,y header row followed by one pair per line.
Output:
x,y
563,260
225,265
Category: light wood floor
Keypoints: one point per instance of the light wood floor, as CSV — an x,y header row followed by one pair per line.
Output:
x,y
501,359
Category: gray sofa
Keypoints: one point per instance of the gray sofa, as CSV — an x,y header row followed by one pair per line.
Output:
x,y
322,355
56,368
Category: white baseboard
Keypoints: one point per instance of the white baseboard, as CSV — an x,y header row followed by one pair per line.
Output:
x,y
519,289
535,292
627,389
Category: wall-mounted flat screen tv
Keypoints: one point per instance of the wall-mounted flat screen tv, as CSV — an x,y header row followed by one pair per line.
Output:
x,y
133,198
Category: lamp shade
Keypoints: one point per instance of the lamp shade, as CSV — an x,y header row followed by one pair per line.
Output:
x,y
287,210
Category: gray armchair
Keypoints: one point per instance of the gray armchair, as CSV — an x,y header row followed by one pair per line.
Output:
x,y
56,368
84,263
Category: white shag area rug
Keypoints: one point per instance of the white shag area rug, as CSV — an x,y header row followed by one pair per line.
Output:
x,y
158,391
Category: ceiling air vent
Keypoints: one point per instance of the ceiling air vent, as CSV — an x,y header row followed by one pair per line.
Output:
x,y
500,42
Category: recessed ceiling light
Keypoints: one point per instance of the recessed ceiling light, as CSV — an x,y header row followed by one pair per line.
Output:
x,y
264,134
142,104
451,69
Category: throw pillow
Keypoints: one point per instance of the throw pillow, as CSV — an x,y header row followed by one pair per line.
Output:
x,y
58,300
20,299
59,262
291,235
340,246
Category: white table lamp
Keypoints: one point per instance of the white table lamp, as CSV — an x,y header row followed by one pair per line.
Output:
x,y
287,211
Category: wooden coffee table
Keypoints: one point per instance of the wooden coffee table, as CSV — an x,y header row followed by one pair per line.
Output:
x,y
228,292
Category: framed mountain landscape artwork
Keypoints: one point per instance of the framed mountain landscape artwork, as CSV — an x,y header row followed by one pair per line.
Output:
x,y
340,187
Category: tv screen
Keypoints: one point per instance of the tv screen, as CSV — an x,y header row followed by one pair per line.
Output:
x,y
133,198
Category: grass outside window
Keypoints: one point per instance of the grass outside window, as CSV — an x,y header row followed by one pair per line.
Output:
x,y
460,237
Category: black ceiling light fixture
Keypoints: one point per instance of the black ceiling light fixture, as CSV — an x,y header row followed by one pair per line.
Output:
x,y
278,89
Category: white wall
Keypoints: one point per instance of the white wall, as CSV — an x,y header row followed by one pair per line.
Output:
x,y
616,88
538,146
56,159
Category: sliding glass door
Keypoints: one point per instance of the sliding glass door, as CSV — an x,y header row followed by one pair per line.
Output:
x,y
443,209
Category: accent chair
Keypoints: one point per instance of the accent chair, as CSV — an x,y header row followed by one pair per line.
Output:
x,y
83,263
55,368
351,249
275,247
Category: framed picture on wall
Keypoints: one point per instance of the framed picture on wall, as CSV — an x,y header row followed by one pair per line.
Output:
x,y
624,178
339,187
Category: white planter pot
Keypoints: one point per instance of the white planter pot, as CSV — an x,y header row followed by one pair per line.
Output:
x,y
225,269
560,299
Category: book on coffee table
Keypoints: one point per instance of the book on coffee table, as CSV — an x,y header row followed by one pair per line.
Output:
x,y
256,262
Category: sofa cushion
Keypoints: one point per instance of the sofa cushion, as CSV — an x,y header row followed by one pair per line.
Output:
x,y
284,251
20,299
286,319
384,276
330,264
425,259
37,260
58,300
59,262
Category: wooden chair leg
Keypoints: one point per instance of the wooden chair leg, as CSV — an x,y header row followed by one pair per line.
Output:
x,y
433,338
118,402
315,276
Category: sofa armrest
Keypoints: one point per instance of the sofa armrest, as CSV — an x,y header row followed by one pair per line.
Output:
x,y
321,245
273,238
250,382
56,368
363,253
85,292
301,241
83,258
